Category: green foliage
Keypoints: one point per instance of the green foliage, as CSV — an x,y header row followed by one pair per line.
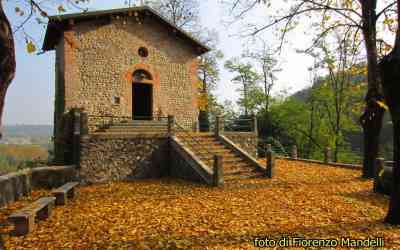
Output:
x,y
247,77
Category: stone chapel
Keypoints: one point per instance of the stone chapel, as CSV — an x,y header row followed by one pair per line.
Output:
x,y
126,91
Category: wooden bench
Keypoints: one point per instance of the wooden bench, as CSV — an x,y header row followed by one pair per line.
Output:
x,y
24,219
65,191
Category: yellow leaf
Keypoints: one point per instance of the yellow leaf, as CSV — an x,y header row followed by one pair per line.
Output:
x,y
382,105
30,47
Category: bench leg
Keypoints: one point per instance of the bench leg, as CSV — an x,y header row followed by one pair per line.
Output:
x,y
61,199
23,225
45,212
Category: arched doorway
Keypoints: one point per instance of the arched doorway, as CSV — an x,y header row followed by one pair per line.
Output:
x,y
142,95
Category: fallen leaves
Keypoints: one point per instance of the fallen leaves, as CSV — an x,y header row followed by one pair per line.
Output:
x,y
313,201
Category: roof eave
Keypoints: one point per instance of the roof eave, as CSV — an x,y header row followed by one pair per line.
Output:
x,y
48,44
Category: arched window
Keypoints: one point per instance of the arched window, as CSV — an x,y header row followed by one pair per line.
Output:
x,y
141,75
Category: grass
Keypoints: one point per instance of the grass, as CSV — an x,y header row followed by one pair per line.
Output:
x,y
24,152
14,157
303,200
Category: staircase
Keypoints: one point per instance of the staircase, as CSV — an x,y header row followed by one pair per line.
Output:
x,y
203,145
135,127
206,145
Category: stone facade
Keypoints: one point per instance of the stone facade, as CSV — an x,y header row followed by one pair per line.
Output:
x,y
96,61
113,158
97,55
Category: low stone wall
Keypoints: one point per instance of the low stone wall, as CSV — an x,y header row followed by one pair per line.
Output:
x,y
15,185
184,164
330,164
114,158
245,140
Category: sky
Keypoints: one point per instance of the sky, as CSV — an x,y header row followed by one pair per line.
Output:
x,y
30,97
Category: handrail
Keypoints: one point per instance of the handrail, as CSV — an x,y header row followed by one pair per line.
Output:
x,y
193,138
232,128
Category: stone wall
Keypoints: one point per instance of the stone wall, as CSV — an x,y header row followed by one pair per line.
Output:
x,y
111,158
245,140
182,169
97,60
184,166
15,185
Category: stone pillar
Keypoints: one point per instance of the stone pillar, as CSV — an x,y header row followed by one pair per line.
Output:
x,y
255,125
84,123
268,148
219,126
76,133
171,123
218,175
270,164
196,127
378,166
328,155
294,152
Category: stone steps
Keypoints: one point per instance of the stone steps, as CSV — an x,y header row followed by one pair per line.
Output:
x,y
205,146
135,127
137,130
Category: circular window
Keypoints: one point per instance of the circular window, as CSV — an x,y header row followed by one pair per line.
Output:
x,y
143,52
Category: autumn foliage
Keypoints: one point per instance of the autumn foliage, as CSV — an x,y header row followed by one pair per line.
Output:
x,y
313,201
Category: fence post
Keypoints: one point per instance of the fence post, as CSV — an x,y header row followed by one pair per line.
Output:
x,y
328,155
270,164
218,176
378,166
294,152
171,121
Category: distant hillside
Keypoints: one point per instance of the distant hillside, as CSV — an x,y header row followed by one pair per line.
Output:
x,y
27,130
26,134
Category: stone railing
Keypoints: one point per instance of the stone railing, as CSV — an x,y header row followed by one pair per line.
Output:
x,y
212,177
246,139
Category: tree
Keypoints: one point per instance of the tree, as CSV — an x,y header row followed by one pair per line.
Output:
x,y
185,14
247,77
33,9
269,67
7,58
389,68
354,14
341,60
208,72
182,13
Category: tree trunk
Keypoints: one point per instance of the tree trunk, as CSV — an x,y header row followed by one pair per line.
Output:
x,y
390,71
371,120
7,58
204,121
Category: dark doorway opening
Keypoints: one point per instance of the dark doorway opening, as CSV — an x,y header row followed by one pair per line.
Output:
x,y
142,101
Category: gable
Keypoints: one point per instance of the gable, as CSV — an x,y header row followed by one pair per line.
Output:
x,y
58,24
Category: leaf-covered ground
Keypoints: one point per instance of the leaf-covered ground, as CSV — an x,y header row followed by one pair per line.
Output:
x,y
307,200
